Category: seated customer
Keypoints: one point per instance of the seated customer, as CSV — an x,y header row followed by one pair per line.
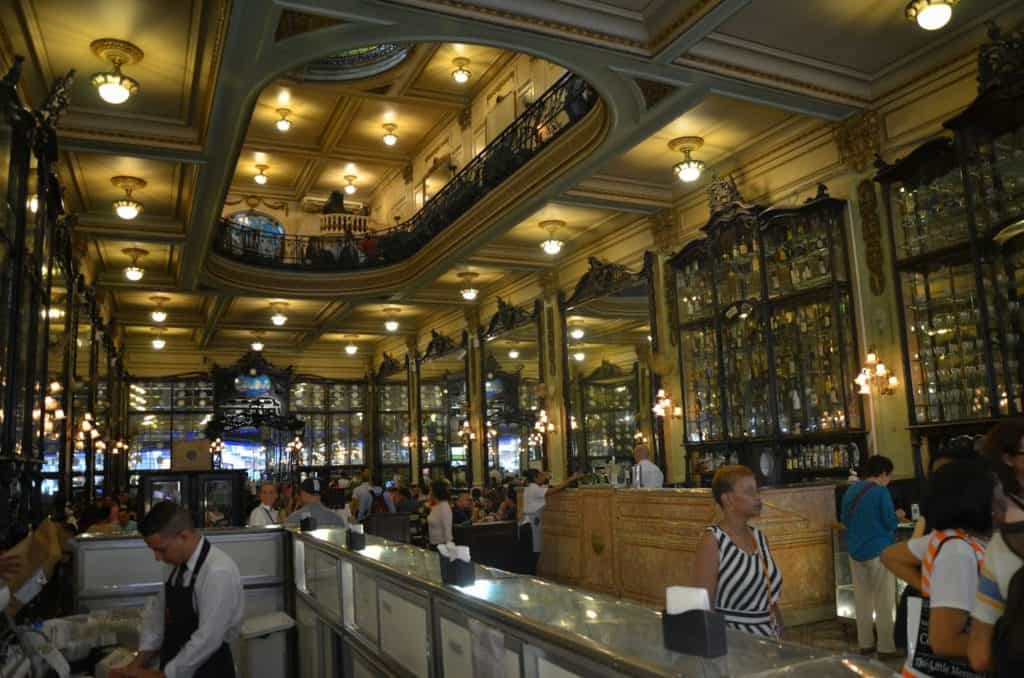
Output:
x,y
406,503
374,500
462,512
309,493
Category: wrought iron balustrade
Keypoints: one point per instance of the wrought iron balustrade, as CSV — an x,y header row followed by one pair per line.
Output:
x,y
564,104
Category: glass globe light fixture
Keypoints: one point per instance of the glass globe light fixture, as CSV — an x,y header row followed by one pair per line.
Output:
x,y
113,86
576,332
33,204
261,178
931,15
579,356
127,207
461,74
351,349
278,317
158,340
690,169
257,345
350,187
158,314
133,271
284,124
391,325
468,291
552,245
513,354
390,138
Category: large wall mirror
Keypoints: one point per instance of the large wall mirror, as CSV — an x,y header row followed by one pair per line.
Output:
x,y
393,426
512,387
608,346
444,410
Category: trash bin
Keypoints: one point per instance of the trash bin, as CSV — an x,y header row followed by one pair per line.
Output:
x,y
265,646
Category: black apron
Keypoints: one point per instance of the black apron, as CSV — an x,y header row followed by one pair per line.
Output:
x,y
181,620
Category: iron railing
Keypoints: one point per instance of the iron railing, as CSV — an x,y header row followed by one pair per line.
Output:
x,y
564,104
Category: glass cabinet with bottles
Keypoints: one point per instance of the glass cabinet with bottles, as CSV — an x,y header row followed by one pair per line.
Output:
x,y
956,207
767,342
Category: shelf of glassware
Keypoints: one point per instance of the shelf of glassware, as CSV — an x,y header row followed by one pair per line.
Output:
x,y
737,271
946,343
701,395
929,217
805,249
995,169
746,376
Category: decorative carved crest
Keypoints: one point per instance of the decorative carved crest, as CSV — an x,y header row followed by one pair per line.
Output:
x,y
407,173
602,280
666,231
294,23
508,318
465,118
653,91
389,365
440,345
859,139
13,76
1001,61
871,230
723,192
607,371
57,101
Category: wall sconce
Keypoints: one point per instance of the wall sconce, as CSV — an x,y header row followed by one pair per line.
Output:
x,y
663,406
543,424
875,377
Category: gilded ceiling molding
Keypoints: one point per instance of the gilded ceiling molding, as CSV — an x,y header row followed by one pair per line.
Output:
x,y
859,139
688,18
871,234
653,91
254,201
725,67
292,23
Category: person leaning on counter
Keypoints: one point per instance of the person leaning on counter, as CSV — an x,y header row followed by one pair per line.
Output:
x,y
531,533
199,609
646,473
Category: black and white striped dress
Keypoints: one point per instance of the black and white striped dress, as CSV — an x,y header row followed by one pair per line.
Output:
x,y
742,594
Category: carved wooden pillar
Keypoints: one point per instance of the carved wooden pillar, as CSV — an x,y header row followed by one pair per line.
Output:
x,y
413,379
476,396
664,341
552,372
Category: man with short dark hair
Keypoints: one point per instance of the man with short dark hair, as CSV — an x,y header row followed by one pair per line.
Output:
x,y
309,493
199,610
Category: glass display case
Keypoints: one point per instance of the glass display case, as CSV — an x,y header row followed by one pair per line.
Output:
x,y
957,206
162,411
334,413
443,408
215,498
610,408
394,428
767,341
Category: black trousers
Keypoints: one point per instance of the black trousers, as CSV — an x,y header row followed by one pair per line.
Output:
x,y
526,552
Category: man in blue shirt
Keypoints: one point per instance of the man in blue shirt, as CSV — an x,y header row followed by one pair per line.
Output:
x,y
871,520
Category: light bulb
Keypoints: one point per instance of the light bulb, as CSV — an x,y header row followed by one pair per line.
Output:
x,y
689,171
933,15
283,125
33,204
257,345
134,273
513,354
351,349
350,189
551,246
390,139
158,316
260,178
159,343
871,358
127,209
470,293
460,75
579,356
391,325
279,318
114,92
576,333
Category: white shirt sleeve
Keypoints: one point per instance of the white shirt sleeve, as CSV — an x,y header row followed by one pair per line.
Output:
x,y
954,581
919,545
258,517
151,636
219,602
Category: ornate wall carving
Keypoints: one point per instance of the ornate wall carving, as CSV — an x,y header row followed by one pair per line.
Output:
x,y
653,91
859,139
294,23
871,231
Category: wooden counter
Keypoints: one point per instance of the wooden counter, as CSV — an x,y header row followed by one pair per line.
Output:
x,y
634,543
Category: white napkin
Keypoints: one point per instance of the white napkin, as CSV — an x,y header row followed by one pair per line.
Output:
x,y
453,552
679,599
356,528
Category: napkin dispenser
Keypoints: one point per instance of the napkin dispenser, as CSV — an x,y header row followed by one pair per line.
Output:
x,y
355,538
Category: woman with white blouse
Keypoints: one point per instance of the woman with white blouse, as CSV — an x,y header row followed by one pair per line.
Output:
x,y
439,522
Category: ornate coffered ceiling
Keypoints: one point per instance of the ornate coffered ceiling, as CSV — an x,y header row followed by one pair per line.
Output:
x,y
215,73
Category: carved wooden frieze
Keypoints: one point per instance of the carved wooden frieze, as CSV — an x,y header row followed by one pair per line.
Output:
x,y
440,345
389,365
859,139
603,279
508,317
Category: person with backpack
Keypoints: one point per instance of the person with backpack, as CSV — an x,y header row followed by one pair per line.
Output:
x,y
996,641
945,567
871,520
375,500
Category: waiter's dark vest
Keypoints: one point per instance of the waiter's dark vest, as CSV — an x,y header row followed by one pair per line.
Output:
x,y
181,620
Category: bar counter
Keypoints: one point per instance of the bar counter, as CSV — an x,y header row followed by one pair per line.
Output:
x,y
634,543
392,615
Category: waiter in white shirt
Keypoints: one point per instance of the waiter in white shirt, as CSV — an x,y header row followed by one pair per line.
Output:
x,y
197,612
531,527
646,473
265,513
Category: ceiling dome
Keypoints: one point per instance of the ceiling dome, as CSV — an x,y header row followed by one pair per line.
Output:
x,y
354,64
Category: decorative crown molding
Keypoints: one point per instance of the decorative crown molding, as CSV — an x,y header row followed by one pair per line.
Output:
x,y
292,23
